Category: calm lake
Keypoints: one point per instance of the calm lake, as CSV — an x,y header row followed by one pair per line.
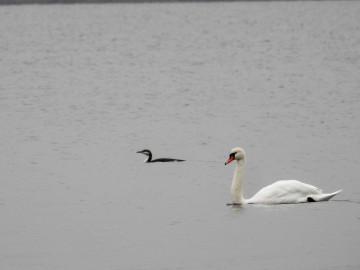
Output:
x,y
83,87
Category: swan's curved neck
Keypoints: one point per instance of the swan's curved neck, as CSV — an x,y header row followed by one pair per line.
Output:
x,y
236,186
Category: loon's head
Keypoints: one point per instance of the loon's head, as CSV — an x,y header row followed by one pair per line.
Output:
x,y
147,153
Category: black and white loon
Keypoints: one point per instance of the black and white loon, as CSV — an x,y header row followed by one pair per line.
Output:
x,y
149,159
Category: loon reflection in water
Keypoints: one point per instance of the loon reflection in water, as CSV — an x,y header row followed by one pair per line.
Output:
x,y
147,153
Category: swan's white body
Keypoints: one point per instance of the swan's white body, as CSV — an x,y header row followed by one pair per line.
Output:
x,y
280,192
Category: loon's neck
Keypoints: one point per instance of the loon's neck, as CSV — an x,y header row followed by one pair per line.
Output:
x,y
149,158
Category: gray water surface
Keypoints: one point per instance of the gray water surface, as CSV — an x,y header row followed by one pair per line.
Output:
x,y
83,87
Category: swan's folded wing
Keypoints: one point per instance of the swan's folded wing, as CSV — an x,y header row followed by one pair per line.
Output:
x,y
285,191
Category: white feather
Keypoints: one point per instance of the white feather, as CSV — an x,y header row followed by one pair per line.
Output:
x,y
280,192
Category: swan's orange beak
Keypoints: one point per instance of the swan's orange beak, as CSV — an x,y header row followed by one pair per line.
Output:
x,y
231,158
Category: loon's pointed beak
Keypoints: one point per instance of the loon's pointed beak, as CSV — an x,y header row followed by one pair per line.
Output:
x,y
231,158
140,152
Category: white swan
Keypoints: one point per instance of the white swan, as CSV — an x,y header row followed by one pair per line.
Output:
x,y
283,191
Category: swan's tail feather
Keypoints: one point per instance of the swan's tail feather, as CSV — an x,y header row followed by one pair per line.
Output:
x,y
325,197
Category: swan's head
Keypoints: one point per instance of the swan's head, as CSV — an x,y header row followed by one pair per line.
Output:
x,y
145,152
236,154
